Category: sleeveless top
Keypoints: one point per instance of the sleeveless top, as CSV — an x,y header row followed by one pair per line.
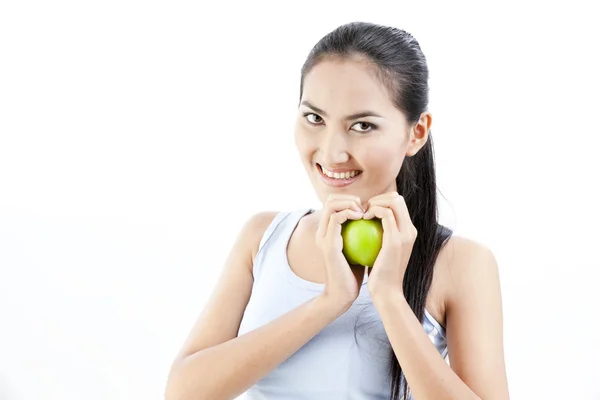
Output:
x,y
349,359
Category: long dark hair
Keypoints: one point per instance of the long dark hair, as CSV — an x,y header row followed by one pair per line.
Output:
x,y
402,68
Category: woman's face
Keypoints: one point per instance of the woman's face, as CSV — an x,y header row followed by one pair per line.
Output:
x,y
350,136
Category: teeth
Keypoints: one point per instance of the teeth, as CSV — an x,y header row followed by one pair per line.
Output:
x,y
340,175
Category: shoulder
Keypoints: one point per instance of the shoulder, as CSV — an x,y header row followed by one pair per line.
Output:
x,y
459,249
255,227
474,316
260,221
471,269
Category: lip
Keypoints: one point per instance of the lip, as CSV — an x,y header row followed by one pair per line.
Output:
x,y
335,182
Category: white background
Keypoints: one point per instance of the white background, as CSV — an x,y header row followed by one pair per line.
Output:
x,y
137,137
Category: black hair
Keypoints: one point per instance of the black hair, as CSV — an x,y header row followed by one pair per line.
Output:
x,y
402,68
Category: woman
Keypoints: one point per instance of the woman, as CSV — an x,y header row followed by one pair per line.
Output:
x,y
291,319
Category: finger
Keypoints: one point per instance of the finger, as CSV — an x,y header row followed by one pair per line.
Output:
x,y
337,219
334,203
334,206
388,221
396,204
334,226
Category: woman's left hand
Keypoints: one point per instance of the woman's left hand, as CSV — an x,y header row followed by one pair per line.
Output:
x,y
399,235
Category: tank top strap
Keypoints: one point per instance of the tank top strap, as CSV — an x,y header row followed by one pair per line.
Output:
x,y
277,235
271,229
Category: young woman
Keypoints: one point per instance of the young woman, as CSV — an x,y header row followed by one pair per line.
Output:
x,y
291,319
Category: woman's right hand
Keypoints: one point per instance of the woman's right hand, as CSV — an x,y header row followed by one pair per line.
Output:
x,y
343,281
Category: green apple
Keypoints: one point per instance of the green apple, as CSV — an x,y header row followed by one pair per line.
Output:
x,y
362,240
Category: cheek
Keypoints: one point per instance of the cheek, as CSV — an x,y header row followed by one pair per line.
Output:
x,y
303,141
384,162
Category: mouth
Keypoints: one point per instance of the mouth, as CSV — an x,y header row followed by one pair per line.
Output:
x,y
338,178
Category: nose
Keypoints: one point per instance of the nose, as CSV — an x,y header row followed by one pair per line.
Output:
x,y
334,148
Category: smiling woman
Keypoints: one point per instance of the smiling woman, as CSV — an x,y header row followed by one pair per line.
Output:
x,y
281,323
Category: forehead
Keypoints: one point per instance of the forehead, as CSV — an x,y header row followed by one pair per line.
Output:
x,y
342,86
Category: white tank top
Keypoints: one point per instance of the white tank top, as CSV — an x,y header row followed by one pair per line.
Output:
x,y
349,359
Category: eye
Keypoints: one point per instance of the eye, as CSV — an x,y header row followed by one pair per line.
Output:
x,y
315,120
364,127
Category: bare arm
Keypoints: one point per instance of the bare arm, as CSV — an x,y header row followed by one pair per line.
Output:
x,y
216,364
475,322
227,370
474,331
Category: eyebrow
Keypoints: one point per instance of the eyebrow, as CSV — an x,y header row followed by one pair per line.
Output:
x,y
358,115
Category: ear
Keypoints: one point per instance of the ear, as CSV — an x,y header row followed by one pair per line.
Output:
x,y
419,134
